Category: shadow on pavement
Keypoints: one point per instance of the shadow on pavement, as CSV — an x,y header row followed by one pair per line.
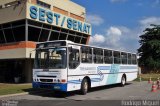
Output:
x,y
58,94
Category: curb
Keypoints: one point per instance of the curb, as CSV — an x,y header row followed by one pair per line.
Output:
x,y
17,94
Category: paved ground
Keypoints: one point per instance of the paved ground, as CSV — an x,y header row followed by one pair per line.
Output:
x,y
132,91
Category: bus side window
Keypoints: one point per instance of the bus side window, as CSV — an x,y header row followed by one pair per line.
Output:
x,y
86,54
129,58
108,59
74,60
124,57
98,55
134,61
116,57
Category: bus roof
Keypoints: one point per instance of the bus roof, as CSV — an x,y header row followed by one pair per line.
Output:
x,y
70,42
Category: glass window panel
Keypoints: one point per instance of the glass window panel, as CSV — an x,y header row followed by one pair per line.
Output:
x,y
86,54
134,59
2,40
19,33
116,55
35,23
33,34
64,30
72,32
84,40
98,55
9,35
17,23
77,39
124,58
71,38
44,35
47,26
63,36
129,58
54,36
55,28
7,25
74,60
108,59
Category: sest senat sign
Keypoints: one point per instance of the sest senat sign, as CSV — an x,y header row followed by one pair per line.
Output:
x,y
50,17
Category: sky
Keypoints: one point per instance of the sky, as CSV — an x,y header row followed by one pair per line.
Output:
x,y
117,24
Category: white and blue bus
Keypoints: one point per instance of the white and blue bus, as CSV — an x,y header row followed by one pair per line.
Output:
x,y
67,66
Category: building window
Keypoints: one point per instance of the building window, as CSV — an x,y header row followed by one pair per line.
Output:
x,y
78,39
40,32
19,33
12,32
83,40
54,36
9,35
62,36
33,33
44,35
43,4
71,38
2,39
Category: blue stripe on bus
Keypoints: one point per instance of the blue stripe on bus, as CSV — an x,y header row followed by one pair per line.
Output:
x,y
128,67
79,82
96,79
75,81
104,67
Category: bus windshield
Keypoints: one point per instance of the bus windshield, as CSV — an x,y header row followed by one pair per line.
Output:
x,y
53,58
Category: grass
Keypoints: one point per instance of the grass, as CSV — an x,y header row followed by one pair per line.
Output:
x,y
146,77
14,88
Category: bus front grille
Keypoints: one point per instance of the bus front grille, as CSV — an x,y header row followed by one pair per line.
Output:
x,y
46,80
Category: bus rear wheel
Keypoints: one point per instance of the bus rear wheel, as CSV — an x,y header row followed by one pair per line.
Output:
x,y
84,87
123,81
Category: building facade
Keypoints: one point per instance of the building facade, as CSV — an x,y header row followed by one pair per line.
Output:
x,y
23,23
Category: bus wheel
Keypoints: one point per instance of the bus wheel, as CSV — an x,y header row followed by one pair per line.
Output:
x,y
84,87
123,81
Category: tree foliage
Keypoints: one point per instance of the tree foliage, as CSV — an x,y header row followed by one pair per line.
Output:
x,y
149,50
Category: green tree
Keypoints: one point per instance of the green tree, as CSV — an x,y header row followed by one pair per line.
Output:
x,y
149,50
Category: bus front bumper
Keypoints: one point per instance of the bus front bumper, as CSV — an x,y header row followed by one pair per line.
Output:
x,y
52,86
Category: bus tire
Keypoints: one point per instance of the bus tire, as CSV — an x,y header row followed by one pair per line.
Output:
x,y
84,87
123,81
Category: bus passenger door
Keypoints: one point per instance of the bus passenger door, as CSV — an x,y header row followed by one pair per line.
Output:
x,y
73,63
